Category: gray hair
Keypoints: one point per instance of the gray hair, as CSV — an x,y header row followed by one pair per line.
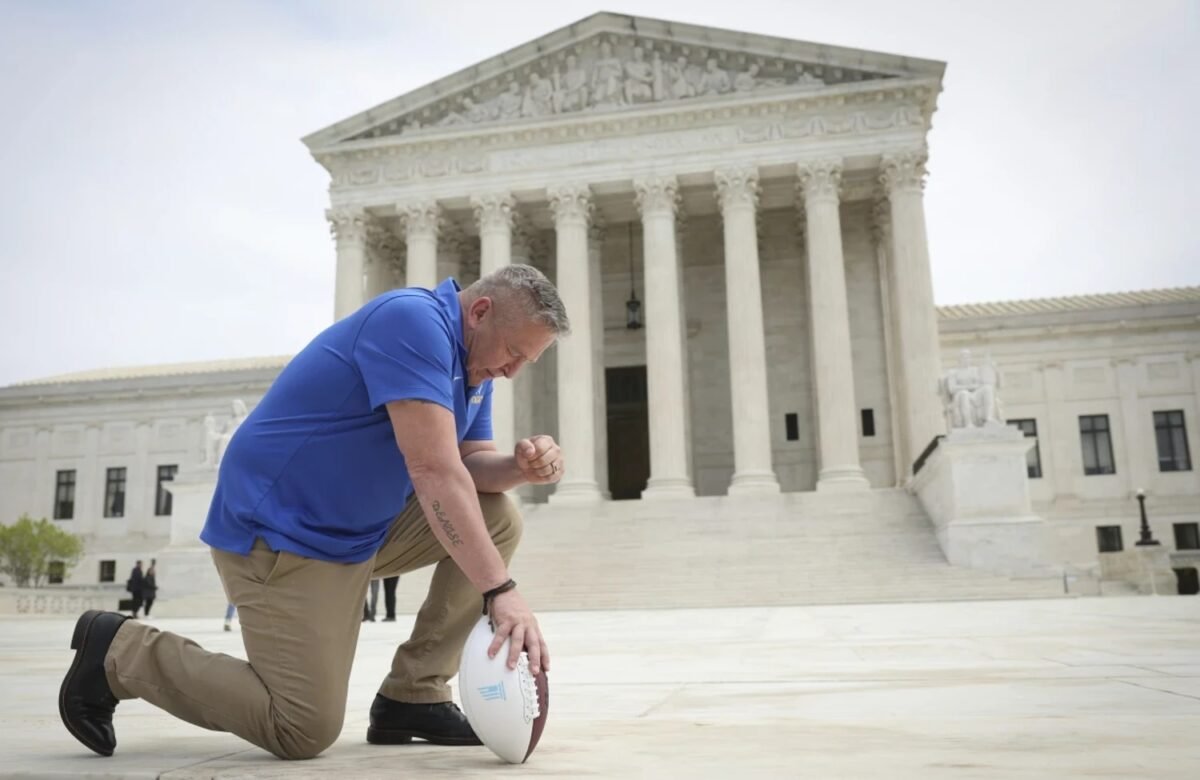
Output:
x,y
528,288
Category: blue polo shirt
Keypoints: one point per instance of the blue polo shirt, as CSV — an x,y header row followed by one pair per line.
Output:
x,y
314,470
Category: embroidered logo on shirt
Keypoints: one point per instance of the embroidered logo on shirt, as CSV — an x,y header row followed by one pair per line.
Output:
x,y
477,398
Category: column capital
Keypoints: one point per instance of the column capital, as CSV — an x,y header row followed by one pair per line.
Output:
x,y
494,211
881,221
571,203
820,179
452,240
420,218
382,240
347,224
737,186
597,230
656,195
903,171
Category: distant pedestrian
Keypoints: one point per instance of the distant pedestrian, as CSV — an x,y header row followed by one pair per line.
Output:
x,y
134,586
371,603
229,610
389,598
149,588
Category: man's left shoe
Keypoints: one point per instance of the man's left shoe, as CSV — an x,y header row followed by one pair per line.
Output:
x,y
397,723
85,702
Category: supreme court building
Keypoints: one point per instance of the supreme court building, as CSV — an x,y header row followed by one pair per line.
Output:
x,y
736,225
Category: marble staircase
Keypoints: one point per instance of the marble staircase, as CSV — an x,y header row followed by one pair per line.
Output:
x,y
792,549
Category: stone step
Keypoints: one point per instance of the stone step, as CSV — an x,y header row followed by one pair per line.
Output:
x,y
793,549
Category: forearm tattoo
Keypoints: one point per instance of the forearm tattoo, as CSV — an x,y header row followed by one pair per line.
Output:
x,y
446,525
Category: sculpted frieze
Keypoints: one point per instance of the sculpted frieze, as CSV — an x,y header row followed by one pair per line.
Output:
x,y
548,151
615,72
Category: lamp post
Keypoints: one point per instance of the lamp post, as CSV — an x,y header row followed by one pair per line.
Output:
x,y
1146,540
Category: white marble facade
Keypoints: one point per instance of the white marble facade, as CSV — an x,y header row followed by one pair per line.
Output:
x,y
771,193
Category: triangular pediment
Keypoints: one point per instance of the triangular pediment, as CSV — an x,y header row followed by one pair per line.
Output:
x,y
611,63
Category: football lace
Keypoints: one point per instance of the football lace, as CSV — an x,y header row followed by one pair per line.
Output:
x,y
528,689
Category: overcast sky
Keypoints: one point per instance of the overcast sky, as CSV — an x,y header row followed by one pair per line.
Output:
x,y
158,205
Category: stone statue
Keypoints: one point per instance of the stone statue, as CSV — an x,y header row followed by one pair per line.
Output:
x,y
714,81
539,97
745,82
508,104
639,78
571,87
678,85
607,87
215,443
806,79
969,394
660,85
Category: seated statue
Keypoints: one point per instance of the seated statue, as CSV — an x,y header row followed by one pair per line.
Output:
x,y
215,442
969,394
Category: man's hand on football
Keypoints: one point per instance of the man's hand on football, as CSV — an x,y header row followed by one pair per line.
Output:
x,y
512,618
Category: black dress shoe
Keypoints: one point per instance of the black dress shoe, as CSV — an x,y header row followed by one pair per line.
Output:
x,y
396,723
85,701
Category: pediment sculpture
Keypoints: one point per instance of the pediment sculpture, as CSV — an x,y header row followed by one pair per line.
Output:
x,y
614,72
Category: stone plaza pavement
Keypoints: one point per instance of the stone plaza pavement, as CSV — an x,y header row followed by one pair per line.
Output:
x,y
1039,688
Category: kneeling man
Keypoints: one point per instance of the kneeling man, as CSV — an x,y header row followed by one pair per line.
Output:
x,y
370,456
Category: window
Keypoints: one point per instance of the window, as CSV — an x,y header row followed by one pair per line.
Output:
x,y
162,496
868,422
1033,458
55,572
108,571
1187,536
1096,441
114,493
1108,538
791,421
64,495
1171,435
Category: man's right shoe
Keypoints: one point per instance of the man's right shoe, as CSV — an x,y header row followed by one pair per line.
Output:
x,y
85,702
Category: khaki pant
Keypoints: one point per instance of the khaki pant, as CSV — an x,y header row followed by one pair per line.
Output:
x,y
300,619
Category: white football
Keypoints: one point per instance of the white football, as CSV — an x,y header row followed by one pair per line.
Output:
x,y
506,707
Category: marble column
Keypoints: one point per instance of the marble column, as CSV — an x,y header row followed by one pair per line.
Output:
x,y
657,200
737,194
45,484
525,382
421,220
90,483
903,178
494,215
384,269
881,235
349,229
452,249
140,482
596,234
571,206
1137,459
833,370
1060,434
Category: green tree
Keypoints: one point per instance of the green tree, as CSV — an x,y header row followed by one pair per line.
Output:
x,y
28,547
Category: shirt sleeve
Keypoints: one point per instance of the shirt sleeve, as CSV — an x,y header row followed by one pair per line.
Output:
x,y
405,351
481,426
